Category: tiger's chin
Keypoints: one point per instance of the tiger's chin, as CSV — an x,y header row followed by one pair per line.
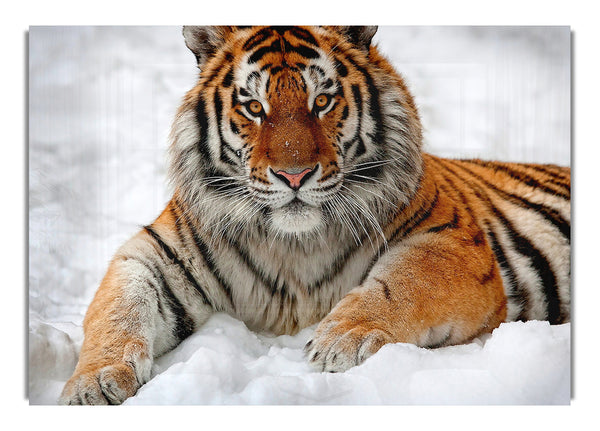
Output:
x,y
296,217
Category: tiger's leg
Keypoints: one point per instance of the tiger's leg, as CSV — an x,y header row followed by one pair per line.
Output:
x,y
139,312
430,290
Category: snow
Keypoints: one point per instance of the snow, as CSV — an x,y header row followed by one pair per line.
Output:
x,y
245,368
226,363
101,103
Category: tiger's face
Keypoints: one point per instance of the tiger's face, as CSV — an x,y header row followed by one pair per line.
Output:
x,y
284,115
289,124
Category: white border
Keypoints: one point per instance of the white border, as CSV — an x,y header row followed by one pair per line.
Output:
x,y
19,16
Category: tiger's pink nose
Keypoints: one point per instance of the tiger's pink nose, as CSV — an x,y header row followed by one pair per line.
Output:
x,y
295,181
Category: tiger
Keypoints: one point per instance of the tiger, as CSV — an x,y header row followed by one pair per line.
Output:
x,y
302,196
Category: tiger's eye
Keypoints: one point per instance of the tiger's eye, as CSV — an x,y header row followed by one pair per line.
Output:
x,y
321,100
255,107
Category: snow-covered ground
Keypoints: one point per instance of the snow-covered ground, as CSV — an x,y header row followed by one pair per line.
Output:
x,y
226,363
100,105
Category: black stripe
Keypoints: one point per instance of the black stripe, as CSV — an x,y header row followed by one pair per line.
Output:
x,y
337,266
261,52
257,38
224,157
372,171
281,29
304,35
234,128
228,79
386,289
207,256
360,147
348,144
557,178
259,273
450,225
345,113
541,266
548,213
243,114
159,299
342,70
374,107
357,96
173,257
202,119
318,70
454,188
527,249
184,324
522,177
234,99
422,214
514,290
554,171
301,49
303,85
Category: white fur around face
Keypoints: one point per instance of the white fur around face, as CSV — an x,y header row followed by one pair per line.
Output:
x,y
296,218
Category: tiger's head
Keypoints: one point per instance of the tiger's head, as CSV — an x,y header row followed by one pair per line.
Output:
x,y
294,129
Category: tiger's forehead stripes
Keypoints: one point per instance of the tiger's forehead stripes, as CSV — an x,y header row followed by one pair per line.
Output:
x,y
252,51
284,46
277,40
269,48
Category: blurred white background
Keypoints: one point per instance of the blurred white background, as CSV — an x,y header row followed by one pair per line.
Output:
x,y
101,100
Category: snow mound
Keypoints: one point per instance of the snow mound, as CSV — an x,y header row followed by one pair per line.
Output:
x,y
226,363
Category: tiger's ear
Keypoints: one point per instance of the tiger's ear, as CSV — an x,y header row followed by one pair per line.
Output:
x,y
204,41
359,35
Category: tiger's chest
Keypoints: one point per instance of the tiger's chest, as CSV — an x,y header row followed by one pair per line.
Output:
x,y
281,288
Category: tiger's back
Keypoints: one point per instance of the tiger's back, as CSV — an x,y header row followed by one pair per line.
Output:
x,y
524,209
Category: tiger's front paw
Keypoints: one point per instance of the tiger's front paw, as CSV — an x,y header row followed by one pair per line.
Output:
x,y
112,384
340,344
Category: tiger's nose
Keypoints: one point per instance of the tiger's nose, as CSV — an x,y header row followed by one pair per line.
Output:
x,y
294,180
